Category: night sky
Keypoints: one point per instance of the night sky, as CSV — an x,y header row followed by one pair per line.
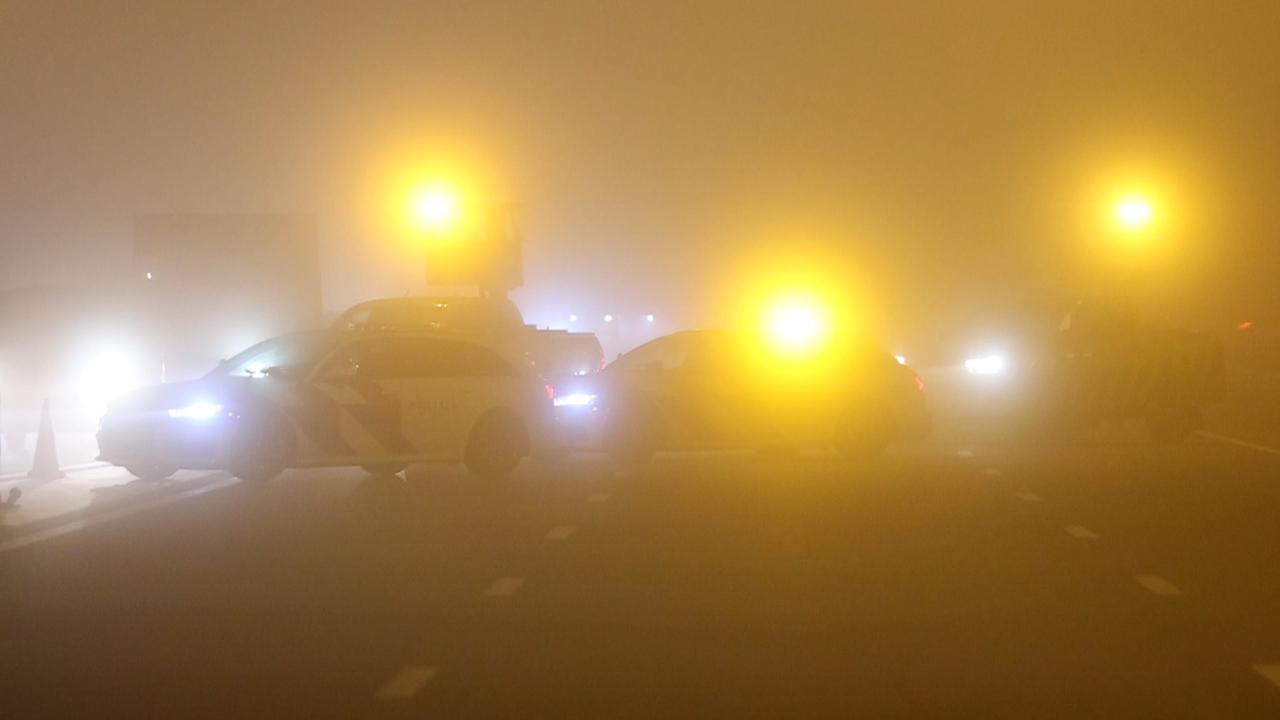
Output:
x,y
956,153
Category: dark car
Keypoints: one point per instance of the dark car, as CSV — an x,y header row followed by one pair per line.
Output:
x,y
707,389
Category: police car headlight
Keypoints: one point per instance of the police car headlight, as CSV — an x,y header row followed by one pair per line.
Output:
x,y
986,365
196,411
574,400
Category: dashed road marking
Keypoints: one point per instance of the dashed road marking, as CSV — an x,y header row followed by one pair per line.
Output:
x,y
74,525
598,498
406,683
560,532
1081,532
1241,443
1270,671
992,472
504,587
1158,585
1027,496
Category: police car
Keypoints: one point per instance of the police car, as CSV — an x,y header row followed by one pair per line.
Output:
x,y
380,400
496,321
703,389
1099,365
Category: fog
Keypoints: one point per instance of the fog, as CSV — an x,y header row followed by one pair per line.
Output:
x,y
949,150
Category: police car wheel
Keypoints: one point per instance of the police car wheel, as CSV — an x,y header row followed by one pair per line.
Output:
x,y
384,469
151,472
495,447
259,448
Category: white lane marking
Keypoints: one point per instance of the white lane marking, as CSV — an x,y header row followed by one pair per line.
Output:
x,y
1080,532
74,525
1027,496
504,587
1270,671
598,498
965,453
1158,585
992,472
406,683
560,532
1241,443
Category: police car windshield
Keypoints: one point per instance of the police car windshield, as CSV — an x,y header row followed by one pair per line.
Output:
x,y
285,355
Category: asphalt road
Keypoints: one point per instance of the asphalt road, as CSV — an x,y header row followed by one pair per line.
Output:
x,y
1108,577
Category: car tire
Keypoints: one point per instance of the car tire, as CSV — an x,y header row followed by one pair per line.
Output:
x,y
260,448
152,472
496,445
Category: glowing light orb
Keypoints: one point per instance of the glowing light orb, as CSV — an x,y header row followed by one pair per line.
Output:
x,y
434,209
797,326
1134,213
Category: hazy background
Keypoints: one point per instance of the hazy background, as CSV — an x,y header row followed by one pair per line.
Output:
x,y
953,151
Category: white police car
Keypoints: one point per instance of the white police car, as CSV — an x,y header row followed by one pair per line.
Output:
x,y
380,400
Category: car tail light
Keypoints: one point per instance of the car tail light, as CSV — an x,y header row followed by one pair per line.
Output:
x,y
551,391
919,383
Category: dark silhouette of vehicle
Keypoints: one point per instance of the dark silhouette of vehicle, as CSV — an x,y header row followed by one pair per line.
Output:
x,y
557,355
707,389
1105,365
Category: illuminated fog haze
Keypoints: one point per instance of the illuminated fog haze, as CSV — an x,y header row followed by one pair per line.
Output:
x,y
955,150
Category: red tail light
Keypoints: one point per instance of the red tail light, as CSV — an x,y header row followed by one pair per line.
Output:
x,y
919,383
551,391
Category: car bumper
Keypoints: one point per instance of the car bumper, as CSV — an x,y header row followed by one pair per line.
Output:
x,y
151,438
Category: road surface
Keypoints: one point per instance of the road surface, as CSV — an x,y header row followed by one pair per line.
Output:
x,y
1107,577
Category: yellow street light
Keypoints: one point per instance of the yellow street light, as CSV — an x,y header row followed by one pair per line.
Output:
x,y
434,209
1134,213
797,326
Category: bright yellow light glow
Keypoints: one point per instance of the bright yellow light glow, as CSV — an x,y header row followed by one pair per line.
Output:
x,y
803,311
797,326
434,209
1134,213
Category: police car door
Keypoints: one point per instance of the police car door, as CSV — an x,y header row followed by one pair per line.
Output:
x,y
360,388
439,396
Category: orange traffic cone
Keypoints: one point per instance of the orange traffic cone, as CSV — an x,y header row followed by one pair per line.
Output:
x,y
44,464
